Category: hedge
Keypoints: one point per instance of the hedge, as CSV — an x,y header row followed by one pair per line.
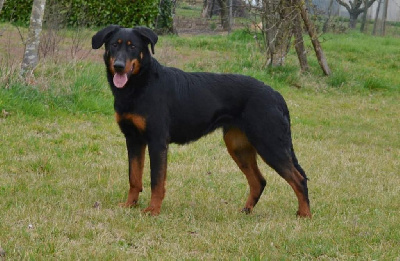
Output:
x,y
127,13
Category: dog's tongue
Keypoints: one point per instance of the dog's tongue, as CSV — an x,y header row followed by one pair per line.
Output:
x,y
120,80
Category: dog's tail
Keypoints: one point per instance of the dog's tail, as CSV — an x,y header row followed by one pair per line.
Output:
x,y
293,155
297,165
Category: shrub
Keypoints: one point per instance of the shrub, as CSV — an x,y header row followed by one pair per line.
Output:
x,y
164,24
127,13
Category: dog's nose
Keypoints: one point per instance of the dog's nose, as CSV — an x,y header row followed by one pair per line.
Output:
x,y
119,66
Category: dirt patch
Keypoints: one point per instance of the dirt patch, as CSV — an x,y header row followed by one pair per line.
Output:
x,y
65,48
69,47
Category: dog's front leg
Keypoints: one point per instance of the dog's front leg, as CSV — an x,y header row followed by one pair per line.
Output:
x,y
158,165
136,153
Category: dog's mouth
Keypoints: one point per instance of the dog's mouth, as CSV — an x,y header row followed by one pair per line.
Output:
x,y
121,78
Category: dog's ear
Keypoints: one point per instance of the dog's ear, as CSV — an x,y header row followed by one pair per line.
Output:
x,y
103,35
148,35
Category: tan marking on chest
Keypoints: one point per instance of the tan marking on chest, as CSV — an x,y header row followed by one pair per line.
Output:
x,y
137,120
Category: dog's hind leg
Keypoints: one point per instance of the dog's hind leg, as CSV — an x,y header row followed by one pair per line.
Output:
x,y
299,186
244,154
279,157
269,132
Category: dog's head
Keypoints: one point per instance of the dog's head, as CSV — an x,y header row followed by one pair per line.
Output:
x,y
126,50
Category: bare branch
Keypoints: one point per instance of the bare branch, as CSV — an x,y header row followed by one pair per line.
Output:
x,y
342,3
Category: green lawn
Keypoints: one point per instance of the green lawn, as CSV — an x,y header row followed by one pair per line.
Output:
x,y
63,167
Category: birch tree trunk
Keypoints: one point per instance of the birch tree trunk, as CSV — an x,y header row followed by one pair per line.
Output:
x,y
1,4
31,55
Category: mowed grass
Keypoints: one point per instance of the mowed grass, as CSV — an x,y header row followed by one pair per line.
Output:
x,y
63,167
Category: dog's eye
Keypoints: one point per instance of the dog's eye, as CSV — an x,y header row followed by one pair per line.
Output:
x,y
114,44
133,47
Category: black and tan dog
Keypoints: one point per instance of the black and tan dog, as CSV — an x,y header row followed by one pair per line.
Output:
x,y
157,105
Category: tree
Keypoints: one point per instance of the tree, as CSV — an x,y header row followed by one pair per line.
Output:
x,y
299,43
1,4
354,8
312,32
385,11
31,57
282,19
325,28
276,28
380,24
225,19
363,27
374,31
164,21
208,6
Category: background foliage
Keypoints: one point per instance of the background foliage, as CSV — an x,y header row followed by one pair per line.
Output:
x,y
165,21
127,13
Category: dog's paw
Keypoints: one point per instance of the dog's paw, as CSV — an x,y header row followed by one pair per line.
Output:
x,y
154,211
246,210
304,214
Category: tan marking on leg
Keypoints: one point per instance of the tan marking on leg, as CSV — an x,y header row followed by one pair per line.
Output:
x,y
135,179
158,192
295,181
245,156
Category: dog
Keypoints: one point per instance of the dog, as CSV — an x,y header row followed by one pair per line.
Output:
x,y
157,105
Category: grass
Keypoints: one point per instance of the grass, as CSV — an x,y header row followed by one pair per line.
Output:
x,y
63,166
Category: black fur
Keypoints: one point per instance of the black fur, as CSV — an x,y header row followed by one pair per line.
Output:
x,y
166,105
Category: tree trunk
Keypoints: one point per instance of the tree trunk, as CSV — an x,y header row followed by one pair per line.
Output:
x,y
299,42
376,17
325,28
353,20
224,14
384,18
230,15
314,39
205,11
363,27
212,8
31,57
1,4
